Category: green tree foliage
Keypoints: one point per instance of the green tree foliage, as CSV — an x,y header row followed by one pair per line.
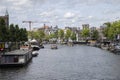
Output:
x,y
73,36
52,35
61,34
111,30
47,37
12,33
17,33
106,29
110,33
95,35
3,31
24,34
35,34
56,34
30,34
39,35
68,34
85,33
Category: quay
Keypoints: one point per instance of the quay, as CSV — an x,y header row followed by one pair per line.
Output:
x,y
15,58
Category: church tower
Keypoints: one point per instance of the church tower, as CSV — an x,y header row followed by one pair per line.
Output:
x,y
7,18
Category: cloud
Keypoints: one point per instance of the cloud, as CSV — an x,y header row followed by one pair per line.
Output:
x,y
62,11
69,15
90,17
18,2
45,14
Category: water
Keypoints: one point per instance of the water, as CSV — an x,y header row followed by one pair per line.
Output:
x,y
67,63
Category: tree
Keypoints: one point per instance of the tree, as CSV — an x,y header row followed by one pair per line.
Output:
x,y
94,35
56,34
3,31
25,34
61,34
106,29
111,30
85,33
39,35
12,33
68,34
17,33
110,33
52,35
73,36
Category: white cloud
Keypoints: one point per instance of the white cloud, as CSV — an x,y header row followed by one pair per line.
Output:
x,y
46,14
62,11
18,2
73,20
56,17
69,15
90,17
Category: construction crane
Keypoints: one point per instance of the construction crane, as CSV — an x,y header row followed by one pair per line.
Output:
x,y
30,22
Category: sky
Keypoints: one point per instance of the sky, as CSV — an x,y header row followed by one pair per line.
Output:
x,y
72,13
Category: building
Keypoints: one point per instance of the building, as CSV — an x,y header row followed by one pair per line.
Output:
x,y
76,30
49,30
6,18
93,29
85,26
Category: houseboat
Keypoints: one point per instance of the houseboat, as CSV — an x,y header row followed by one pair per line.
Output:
x,y
15,58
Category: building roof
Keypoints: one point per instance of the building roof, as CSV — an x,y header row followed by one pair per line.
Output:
x,y
17,52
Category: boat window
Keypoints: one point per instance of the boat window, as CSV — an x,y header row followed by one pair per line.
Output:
x,y
16,59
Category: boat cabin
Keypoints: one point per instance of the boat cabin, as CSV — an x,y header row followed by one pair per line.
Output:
x,y
17,57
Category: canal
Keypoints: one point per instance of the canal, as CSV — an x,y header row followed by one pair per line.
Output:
x,y
67,63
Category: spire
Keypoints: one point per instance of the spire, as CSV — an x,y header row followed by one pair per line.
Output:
x,y
6,13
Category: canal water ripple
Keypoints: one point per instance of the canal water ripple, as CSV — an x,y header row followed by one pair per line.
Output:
x,y
67,63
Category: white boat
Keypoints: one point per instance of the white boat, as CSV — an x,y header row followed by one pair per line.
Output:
x,y
54,46
34,45
35,53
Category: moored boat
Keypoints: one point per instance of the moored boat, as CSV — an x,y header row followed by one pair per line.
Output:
x,y
54,46
35,53
15,58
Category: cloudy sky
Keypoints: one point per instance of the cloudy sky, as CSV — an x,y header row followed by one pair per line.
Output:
x,y
61,12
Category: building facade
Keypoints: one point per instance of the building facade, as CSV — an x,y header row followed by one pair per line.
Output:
x,y
85,26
